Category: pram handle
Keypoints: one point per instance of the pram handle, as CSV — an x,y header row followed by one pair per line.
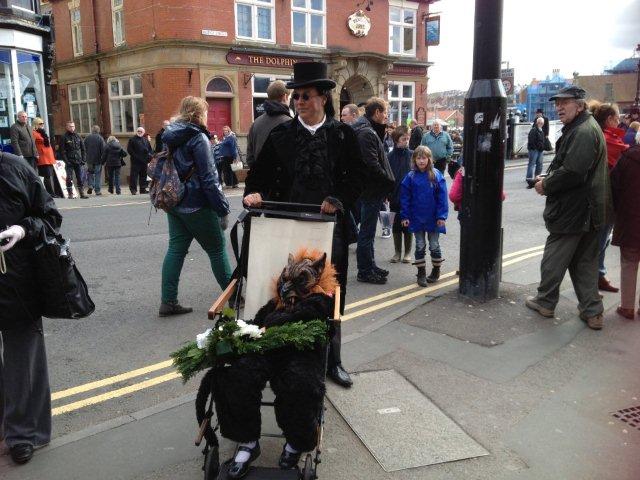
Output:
x,y
281,209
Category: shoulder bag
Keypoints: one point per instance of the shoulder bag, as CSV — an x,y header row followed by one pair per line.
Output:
x,y
63,291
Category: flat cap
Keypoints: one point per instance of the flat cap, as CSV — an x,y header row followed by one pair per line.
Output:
x,y
572,91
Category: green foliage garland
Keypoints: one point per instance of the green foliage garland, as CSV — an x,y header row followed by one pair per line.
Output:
x,y
222,345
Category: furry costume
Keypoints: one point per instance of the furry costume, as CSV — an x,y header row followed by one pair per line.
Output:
x,y
302,293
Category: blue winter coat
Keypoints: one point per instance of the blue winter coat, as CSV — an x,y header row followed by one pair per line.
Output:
x,y
423,202
229,146
190,146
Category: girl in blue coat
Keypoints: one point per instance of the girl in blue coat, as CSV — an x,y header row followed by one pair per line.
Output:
x,y
424,209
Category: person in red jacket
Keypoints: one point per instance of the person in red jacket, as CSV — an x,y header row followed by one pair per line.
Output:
x,y
625,179
46,157
608,116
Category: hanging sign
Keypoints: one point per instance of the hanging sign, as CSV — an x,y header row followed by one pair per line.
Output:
x,y
359,24
432,31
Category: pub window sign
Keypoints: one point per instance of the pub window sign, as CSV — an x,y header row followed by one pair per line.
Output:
x,y
432,31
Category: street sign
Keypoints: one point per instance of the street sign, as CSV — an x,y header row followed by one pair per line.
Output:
x,y
507,75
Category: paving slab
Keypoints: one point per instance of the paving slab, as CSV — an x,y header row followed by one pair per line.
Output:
x,y
394,420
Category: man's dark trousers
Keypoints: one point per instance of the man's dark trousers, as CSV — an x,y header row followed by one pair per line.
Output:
x,y
138,176
72,168
579,254
33,161
370,209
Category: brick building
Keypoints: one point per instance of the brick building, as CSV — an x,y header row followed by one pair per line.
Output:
x,y
124,63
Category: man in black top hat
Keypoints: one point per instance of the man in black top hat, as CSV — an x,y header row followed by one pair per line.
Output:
x,y
314,159
578,205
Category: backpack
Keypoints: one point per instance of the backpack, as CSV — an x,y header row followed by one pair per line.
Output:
x,y
166,188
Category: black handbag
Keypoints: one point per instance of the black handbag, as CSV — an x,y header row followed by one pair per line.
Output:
x,y
547,145
63,291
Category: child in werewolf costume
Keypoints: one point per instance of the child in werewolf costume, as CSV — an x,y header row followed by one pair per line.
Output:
x,y
303,292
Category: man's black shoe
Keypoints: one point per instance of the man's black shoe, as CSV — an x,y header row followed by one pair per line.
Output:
x,y
143,192
381,271
240,469
21,453
340,376
168,309
133,193
371,277
288,460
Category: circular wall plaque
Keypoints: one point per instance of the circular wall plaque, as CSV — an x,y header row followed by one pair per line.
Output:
x,y
359,23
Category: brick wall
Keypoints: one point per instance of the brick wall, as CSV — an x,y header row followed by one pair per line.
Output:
x,y
146,21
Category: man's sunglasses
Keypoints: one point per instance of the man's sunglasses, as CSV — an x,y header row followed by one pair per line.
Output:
x,y
305,96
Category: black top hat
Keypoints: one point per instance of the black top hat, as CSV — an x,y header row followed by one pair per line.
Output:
x,y
572,91
311,74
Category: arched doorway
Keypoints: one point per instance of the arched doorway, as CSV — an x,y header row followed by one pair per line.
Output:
x,y
219,95
355,90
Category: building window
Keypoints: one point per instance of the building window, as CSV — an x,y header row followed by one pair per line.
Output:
x,y
218,85
402,28
255,20
308,22
401,102
76,31
117,19
24,4
260,85
125,98
82,103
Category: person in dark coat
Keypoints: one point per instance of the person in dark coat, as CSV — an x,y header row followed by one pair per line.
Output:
x,y
625,178
314,159
535,146
578,206
545,126
202,214
94,146
400,162
228,152
24,380
22,140
140,151
379,183
74,157
160,145
113,160
276,111
416,135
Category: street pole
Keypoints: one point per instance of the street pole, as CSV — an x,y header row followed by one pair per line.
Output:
x,y
485,109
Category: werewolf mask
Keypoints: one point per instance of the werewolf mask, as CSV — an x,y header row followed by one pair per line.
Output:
x,y
306,273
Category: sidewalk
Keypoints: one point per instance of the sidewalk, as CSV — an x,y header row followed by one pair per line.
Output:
x,y
538,394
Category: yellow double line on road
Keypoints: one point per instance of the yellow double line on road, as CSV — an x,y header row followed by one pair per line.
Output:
x,y
414,289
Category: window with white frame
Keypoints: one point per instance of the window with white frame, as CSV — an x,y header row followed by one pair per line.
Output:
x,y
308,21
76,30
260,85
255,20
82,106
117,20
401,102
125,99
402,28
24,4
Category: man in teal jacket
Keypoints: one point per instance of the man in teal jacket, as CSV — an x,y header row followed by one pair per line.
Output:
x,y
578,205
440,144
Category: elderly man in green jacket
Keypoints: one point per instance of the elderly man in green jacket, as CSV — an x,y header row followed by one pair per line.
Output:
x,y
578,205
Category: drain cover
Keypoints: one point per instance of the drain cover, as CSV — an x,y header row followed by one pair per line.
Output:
x,y
630,416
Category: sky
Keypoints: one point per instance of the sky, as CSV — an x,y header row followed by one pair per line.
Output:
x,y
584,36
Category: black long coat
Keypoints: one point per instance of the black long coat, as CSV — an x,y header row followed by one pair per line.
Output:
x,y
625,179
272,175
24,202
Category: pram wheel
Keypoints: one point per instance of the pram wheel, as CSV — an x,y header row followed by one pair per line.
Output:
x,y
308,471
212,464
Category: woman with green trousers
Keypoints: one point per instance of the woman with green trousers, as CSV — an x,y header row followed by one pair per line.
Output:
x,y
202,212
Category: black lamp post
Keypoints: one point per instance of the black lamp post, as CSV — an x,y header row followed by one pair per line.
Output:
x,y
484,152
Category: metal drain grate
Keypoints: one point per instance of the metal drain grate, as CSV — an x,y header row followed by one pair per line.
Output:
x,y
630,416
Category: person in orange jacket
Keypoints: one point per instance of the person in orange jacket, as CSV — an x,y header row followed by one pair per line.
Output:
x,y
46,159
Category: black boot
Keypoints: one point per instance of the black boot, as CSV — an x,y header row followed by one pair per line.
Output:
x,y
335,371
82,195
422,276
173,308
434,276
